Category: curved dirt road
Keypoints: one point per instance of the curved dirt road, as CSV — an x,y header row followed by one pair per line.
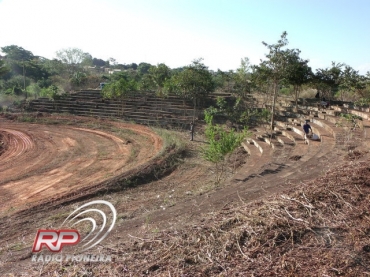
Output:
x,y
39,162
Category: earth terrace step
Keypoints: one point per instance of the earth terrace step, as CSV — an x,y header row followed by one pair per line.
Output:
x,y
251,149
118,112
254,163
104,109
327,140
261,145
141,119
285,103
364,115
262,135
133,104
323,116
283,140
328,126
84,96
173,111
147,102
134,98
307,110
286,130
113,105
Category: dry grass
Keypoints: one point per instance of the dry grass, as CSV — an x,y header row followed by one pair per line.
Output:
x,y
321,228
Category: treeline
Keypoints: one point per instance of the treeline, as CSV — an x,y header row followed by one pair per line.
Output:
x,y
282,71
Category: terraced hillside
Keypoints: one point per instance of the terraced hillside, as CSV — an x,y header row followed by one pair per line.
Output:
x,y
166,212
142,108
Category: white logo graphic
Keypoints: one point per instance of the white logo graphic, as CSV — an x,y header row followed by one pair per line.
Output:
x,y
98,232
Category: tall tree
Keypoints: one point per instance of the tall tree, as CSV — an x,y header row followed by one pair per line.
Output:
x,y
297,72
327,80
242,77
73,57
350,82
275,67
3,68
17,53
194,82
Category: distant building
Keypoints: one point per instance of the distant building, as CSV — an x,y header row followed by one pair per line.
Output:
x,y
111,71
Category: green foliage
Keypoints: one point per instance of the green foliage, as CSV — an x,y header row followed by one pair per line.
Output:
x,y
242,78
16,53
159,75
350,117
15,85
328,80
34,89
362,102
220,141
120,88
146,83
143,68
350,121
287,90
4,69
78,78
194,82
72,56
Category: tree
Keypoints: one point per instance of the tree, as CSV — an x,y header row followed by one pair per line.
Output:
x,y
99,62
73,57
120,89
297,72
242,78
143,68
17,53
275,68
327,80
87,60
195,82
350,82
78,78
220,143
3,68
224,80
159,74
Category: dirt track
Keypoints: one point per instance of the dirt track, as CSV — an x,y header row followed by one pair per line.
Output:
x,y
41,162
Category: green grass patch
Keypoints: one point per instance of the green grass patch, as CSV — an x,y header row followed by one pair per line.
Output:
x,y
171,140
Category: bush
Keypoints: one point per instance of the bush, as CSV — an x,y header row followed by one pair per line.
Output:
x,y
220,143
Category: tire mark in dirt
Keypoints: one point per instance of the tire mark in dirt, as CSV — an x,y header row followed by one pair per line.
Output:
x,y
49,160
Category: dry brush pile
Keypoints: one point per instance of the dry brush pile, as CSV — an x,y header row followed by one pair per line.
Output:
x,y
321,228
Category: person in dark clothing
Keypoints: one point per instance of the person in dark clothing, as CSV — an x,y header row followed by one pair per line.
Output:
x,y
191,131
306,129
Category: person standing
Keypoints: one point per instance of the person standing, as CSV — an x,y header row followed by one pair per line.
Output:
x,y
191,131
306,128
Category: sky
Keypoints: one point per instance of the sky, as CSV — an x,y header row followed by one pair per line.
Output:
x,y
176,32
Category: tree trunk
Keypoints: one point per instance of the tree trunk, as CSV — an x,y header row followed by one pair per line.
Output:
x,y
195,108
296,96
273,108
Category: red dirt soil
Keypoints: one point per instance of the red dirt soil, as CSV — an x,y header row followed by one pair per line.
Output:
x,y
46,161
